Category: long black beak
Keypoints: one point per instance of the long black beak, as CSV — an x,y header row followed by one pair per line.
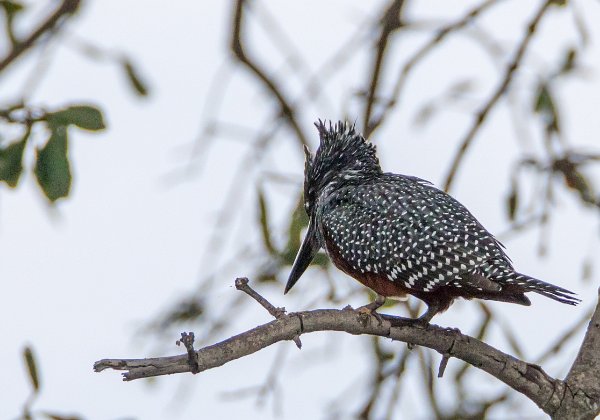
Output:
x,y
307,252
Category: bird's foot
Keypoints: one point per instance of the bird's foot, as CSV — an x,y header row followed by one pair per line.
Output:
x,y
371,309
363,310
424,320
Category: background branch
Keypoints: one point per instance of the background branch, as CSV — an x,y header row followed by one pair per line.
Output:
x,y
417,57
390,22
286,110
68,7
414,79
482,115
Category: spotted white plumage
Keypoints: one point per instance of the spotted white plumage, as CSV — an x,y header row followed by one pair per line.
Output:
x,y
408,230
399,234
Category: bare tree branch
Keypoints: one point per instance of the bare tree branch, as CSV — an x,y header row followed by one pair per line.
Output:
x,y
410,64
581,388
482,115
582,394
68,7
390,22
237,46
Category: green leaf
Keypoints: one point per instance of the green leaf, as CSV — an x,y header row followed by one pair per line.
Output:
x,y
578,182
513,201
543,100
11,7
545,106
190,309
134,78
569,61
266,277
52,167
31,368
298,221
11,160
82,116
264,223
321,260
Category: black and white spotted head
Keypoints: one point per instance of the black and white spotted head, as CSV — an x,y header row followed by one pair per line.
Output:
x,y
343,155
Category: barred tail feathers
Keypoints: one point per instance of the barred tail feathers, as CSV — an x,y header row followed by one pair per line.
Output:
x,y
546,289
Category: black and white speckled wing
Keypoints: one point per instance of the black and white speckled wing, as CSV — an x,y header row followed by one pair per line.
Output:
x,y
409,231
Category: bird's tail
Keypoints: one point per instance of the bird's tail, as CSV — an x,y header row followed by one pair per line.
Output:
x,y
545,289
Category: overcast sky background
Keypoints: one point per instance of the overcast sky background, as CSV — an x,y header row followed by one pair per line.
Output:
x,y
81,278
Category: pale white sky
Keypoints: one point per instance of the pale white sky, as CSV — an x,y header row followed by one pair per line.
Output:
x,y
81,278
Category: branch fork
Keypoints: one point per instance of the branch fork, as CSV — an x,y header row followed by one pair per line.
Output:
x,y
577,396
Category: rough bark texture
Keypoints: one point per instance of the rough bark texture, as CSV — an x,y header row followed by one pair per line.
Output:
x,y
581,397
577,398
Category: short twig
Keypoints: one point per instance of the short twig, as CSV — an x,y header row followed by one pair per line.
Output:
x,y
241,283
443,364
187,339
448,354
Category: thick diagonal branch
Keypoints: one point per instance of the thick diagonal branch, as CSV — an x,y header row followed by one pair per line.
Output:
x,y
580,394
528,379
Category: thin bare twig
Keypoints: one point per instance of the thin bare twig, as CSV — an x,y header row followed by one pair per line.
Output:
x,y
390,22
241,283
562,340
426,363
441,34
398,376
237,46
378,378
483,113
68,7
187,339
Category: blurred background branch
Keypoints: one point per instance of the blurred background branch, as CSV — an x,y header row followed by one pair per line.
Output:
x,y
46,28
481,96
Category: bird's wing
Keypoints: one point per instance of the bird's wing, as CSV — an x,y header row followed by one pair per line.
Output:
x,y
410,231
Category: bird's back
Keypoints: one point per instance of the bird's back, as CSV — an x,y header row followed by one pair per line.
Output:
x,y
406,229
398,234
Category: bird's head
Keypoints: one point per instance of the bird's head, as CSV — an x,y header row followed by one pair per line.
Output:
x,y
343,155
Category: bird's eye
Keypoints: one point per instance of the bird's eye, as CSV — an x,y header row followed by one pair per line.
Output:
x,y
308,197
307,207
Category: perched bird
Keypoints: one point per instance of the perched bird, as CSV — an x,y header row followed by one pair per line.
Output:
x,y
400,235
